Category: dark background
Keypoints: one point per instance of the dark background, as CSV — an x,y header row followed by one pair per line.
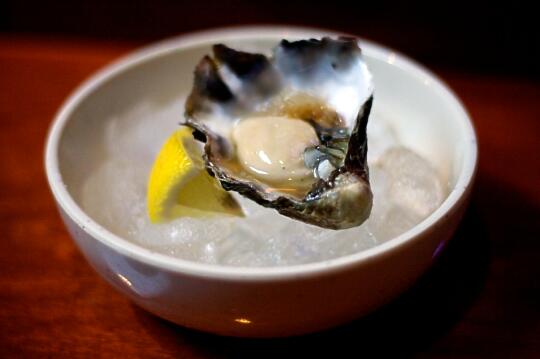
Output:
x,y
481,37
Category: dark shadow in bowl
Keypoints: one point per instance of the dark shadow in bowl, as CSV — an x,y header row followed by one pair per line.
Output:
x,y
411,322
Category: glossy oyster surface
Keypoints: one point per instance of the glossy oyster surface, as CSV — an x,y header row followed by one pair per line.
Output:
x,y
288,130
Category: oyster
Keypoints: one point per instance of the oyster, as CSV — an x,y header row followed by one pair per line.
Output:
x,y
288,131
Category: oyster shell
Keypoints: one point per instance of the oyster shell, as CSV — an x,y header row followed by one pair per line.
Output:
x,y
324,83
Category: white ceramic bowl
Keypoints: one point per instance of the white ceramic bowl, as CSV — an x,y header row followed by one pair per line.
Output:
x,y
260,302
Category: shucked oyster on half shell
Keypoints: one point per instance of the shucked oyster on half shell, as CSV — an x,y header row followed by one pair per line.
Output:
x,y
288,131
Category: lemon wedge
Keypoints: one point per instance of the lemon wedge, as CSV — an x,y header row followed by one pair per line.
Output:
x,y
179,184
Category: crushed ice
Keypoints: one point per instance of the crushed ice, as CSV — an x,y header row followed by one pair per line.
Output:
x,y
406,190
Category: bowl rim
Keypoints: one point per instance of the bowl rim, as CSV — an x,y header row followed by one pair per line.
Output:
x,y
162,48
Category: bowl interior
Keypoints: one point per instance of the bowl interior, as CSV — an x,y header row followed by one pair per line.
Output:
x,y
427,117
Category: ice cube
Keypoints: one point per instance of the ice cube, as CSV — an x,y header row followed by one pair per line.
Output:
x,y
406,189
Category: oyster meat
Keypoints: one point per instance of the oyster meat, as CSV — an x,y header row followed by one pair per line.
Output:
x,y
288,130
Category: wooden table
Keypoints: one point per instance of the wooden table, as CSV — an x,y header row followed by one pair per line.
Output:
x,y
482,299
